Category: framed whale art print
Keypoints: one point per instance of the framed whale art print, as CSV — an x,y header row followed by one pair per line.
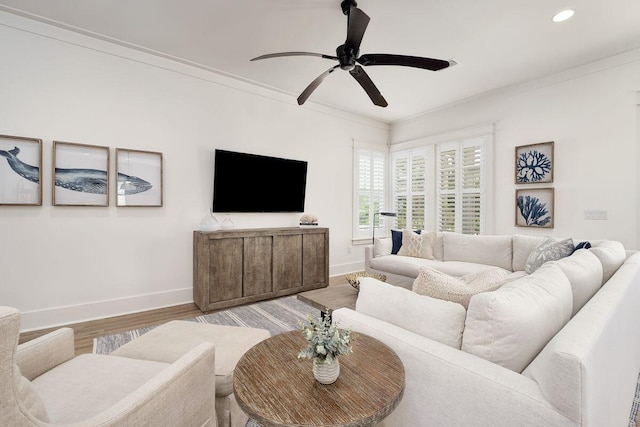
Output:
x,y
20,171
138,178
80,174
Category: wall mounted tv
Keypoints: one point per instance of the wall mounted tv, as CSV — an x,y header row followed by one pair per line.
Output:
x,y
251,183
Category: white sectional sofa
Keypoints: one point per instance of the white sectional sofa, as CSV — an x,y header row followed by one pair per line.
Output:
x,y
546,349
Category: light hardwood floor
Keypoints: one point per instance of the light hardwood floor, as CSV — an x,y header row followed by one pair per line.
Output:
x,y
85,332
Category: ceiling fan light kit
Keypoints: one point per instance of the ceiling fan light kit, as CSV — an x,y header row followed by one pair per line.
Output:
x,y
348,60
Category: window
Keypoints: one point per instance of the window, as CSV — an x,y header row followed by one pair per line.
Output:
x,y
440,186
410,183
370,166
461,186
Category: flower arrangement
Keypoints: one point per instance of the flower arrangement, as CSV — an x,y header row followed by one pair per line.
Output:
x,y
325,340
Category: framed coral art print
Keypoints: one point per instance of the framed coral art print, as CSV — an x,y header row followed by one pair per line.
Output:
x,y
20,171
534,207
139,178
534,163
80,174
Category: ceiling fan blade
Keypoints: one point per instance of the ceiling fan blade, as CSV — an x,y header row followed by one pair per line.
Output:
x,y
356,26
314,84
277,55
405,61
362,77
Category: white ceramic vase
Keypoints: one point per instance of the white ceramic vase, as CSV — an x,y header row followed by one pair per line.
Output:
x,y
326,373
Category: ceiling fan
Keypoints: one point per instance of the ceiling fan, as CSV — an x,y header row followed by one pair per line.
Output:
x,y
347,56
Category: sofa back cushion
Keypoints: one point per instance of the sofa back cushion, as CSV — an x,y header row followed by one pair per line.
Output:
x,y
512,324
489,250
522,247
584,271
382,246
611,255
439,320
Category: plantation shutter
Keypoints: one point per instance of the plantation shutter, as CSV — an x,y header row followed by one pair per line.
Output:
x,y
370,189
460,186
410,188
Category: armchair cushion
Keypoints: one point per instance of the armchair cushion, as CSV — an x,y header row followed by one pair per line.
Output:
x,y
29,398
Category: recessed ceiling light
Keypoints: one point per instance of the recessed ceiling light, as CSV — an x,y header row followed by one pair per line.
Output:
x,y
563,16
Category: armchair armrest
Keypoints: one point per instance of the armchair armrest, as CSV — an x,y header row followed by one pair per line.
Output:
x,y
39,355
182,394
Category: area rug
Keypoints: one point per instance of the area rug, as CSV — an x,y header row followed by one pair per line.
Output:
x,y
276,315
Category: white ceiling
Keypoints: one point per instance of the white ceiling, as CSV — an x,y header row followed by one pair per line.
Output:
x,y
497,43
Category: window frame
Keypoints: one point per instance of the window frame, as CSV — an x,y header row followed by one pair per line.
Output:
x,y
360,234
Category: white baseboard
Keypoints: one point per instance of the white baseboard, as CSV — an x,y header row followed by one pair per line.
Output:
x,y
337,270
58,316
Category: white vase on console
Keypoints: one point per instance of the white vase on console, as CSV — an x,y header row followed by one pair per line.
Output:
x,y
227,224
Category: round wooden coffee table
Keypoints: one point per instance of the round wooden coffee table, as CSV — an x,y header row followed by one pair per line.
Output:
x,y
276,388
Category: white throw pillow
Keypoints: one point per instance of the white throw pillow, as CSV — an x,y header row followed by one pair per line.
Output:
x,y
441,321
417,245
436,284
584,271
522,247
511,325
611,255
549,250
489,250
382,247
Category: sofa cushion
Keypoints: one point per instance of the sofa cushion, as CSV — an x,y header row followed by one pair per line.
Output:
x,y
489,250
522,247
433,283
512,324
417,245
549,250
89,384
439,320
410,266
584,271
382,246
611,255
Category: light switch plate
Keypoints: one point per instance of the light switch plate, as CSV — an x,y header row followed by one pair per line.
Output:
x,y
595,215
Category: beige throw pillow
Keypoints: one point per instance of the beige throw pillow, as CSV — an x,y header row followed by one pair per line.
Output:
x,y
417,245
436,284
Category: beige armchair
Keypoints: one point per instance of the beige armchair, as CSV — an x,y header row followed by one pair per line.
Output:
x,y
43,384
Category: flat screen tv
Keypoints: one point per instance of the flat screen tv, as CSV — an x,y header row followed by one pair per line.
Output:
x,y
251,183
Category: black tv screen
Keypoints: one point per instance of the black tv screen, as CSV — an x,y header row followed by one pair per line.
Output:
x,y
251,183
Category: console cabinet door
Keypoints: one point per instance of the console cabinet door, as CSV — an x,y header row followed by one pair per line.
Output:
x,y
313,259
257,265
287,262
225,269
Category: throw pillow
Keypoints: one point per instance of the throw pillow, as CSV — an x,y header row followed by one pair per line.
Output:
x,y
381,247
582,245
436,284
417,245
442,321
549,250
396,238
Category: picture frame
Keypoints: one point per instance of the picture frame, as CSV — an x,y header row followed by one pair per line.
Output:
x,y
80,174
139,178
20,171
534,163
534,207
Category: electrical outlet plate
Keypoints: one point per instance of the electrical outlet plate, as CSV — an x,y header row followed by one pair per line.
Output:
x,y
595,215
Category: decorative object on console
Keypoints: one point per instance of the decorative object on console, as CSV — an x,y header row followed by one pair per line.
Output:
x,y
308,220
227,224
375,222
139,178
80,174
325,343
354,278
534,208
21,178
209,222
534,163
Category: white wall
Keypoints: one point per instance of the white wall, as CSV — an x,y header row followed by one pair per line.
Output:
x,y
66,264
592,115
